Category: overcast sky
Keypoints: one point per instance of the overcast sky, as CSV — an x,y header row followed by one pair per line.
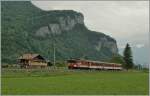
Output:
x,y
126,21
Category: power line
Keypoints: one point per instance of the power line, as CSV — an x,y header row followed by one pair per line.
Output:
x,y
54,47
52,35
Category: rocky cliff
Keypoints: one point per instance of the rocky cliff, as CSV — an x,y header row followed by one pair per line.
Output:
x,y
27,29
62,23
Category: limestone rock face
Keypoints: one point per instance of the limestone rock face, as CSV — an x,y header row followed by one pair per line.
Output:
x,y
67,23
106,43
64,24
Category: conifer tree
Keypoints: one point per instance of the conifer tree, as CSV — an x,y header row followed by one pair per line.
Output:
x,y
128,57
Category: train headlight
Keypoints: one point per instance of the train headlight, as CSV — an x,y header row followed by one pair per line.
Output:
x,y
75,65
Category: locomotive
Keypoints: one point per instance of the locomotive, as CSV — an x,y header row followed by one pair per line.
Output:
x,y
87,64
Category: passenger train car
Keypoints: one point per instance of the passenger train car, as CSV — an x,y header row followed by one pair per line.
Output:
x,y
87,64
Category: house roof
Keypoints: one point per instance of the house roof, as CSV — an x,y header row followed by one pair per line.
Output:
x,y
28,56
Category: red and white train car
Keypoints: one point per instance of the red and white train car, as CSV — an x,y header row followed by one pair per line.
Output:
x,y
87,64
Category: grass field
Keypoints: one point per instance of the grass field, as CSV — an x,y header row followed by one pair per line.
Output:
x,y
73,82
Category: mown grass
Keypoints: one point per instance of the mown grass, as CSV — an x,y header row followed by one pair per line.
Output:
x,y
44,82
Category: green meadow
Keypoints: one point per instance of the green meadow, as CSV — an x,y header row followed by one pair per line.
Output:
x,y
73,82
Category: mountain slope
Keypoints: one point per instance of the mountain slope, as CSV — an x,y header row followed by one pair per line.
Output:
x,y
27,29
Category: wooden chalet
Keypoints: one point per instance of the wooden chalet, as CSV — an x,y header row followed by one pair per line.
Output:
x,y
32,61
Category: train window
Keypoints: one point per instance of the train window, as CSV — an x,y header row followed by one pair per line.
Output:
x,y
72,61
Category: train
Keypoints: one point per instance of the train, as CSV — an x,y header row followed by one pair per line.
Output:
x,y
88,64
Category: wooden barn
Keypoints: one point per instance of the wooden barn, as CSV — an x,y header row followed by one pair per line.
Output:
x,y
32,61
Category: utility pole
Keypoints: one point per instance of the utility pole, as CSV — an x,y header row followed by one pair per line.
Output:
x,y
54,55
52,35
54,47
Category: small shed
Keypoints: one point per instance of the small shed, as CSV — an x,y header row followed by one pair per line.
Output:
x,y
32,61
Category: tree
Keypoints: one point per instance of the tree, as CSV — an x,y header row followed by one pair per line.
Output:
x,y
128,57
117,59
